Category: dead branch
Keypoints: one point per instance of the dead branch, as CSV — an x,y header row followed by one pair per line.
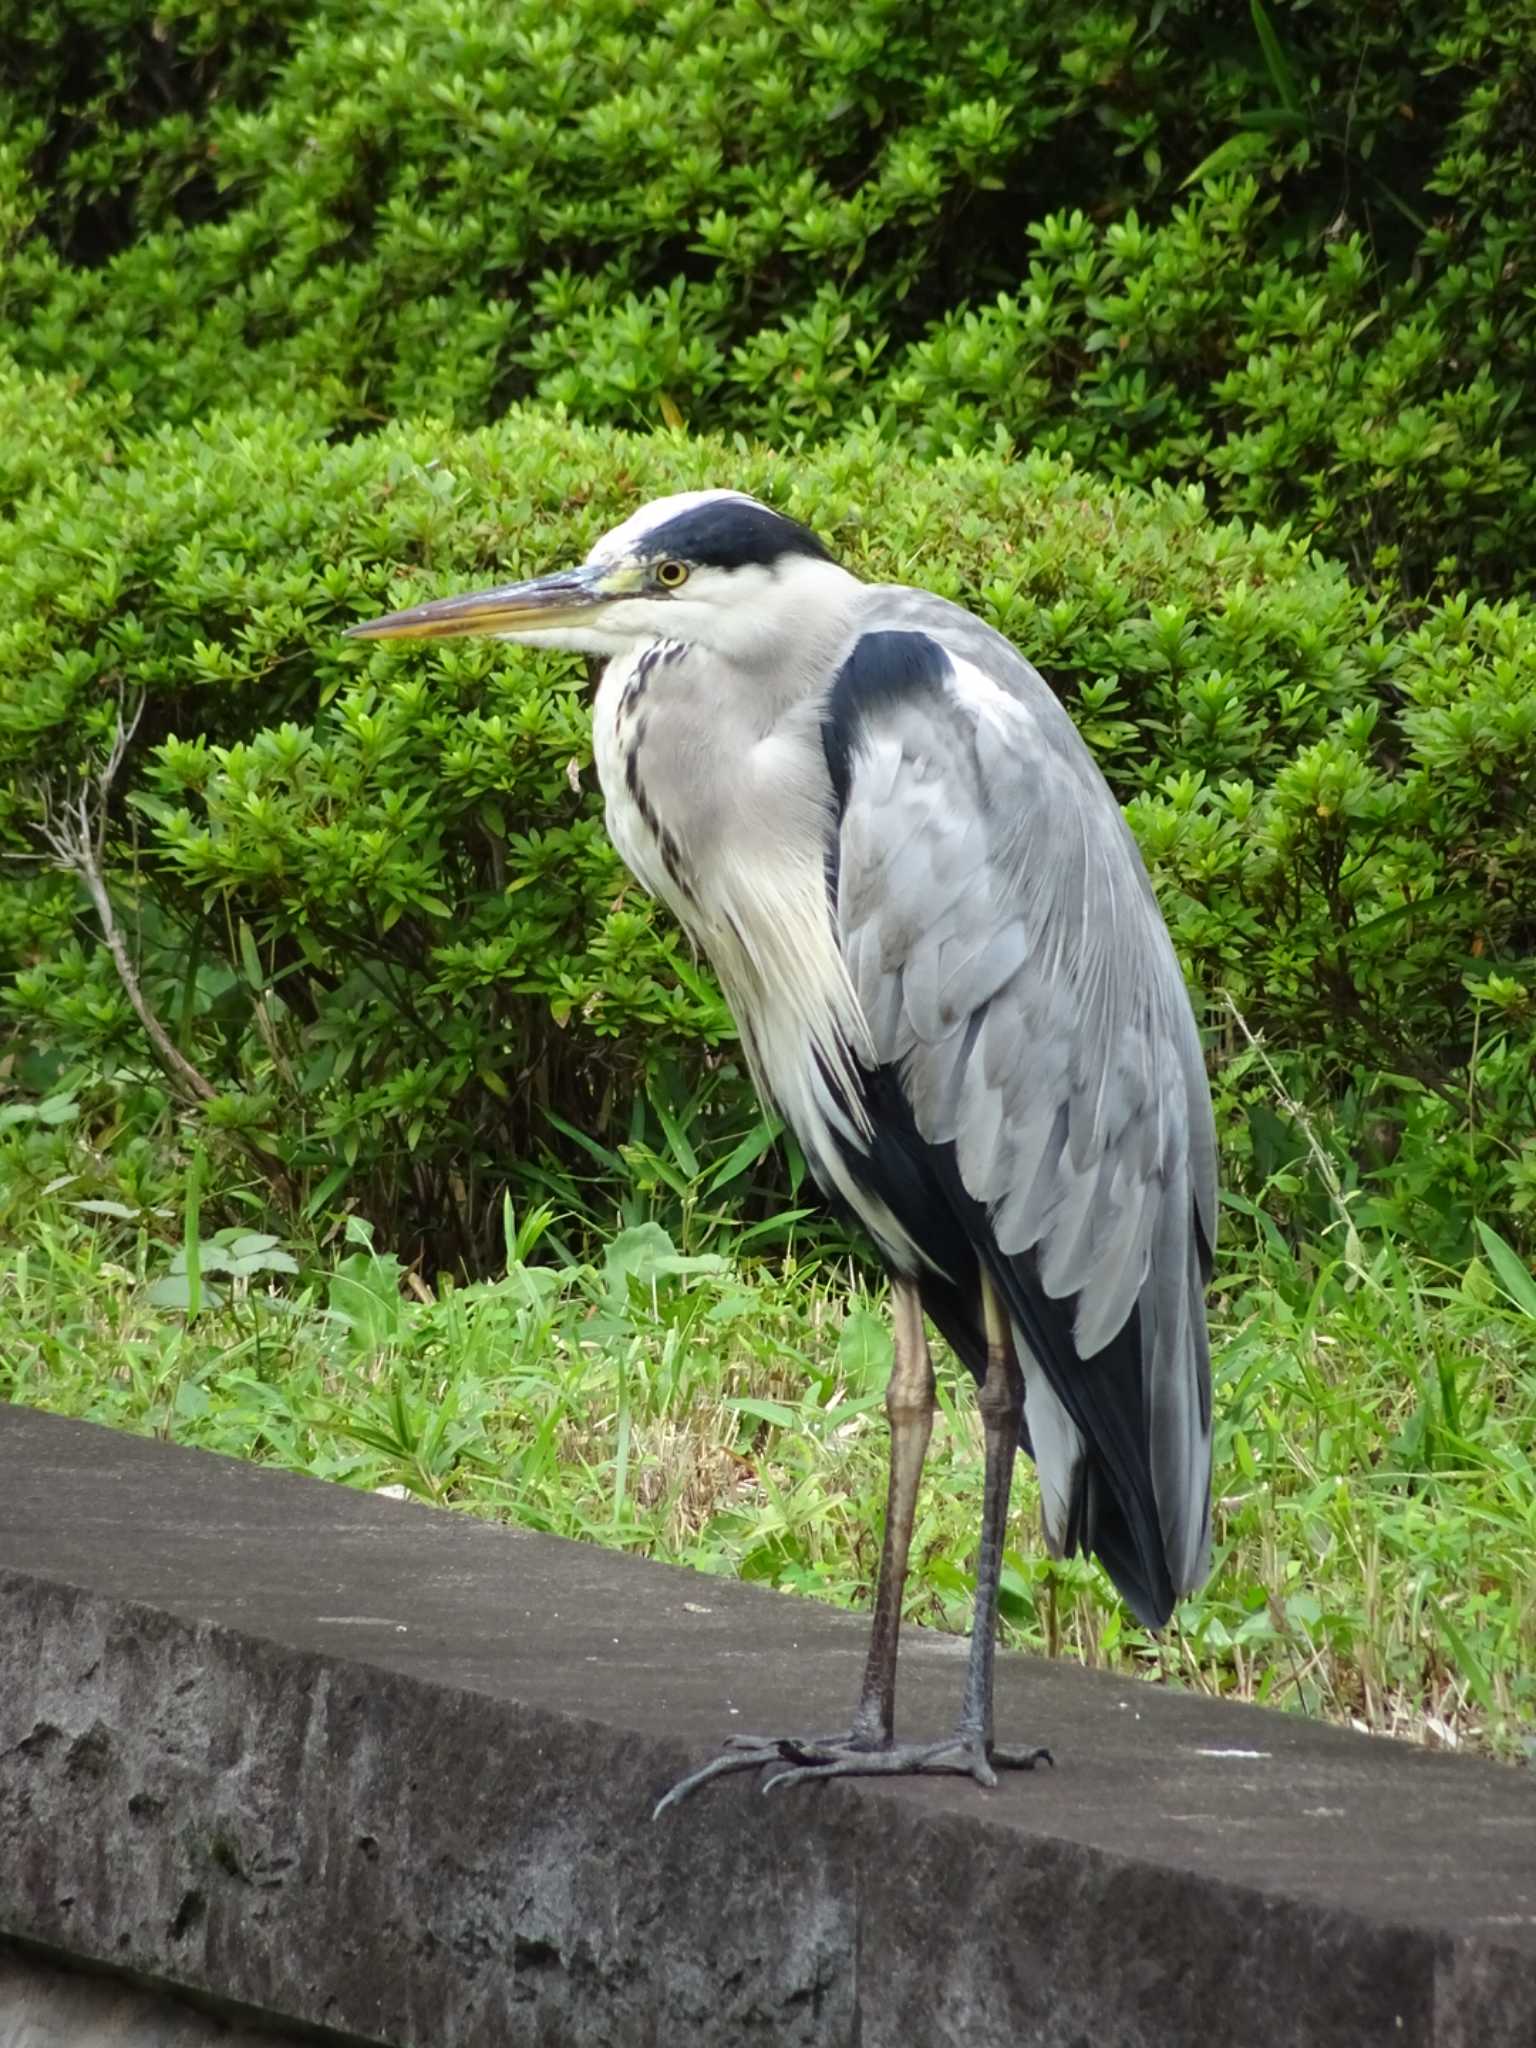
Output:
x,y
76,831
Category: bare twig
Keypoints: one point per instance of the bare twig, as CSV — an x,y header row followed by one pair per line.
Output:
x,y
1354,1257
76,832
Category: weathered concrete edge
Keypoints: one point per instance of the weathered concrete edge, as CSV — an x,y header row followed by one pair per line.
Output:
x,y
343,1847
52,2001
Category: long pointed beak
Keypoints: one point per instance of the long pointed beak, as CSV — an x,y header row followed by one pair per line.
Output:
x,y
567,598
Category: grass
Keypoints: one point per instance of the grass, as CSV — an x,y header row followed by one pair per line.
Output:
x,y
1376,1510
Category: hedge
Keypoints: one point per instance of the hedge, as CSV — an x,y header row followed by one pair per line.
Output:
x,y
1285,251
367,885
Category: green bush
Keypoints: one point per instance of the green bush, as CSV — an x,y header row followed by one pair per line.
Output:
x,y
49,428
447,206
1288,253
368,888
1392,424
111,102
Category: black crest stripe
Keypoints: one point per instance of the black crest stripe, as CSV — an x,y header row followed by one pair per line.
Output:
x,y
730,533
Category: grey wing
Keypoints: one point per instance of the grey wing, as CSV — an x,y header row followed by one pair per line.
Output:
x,y
1007,951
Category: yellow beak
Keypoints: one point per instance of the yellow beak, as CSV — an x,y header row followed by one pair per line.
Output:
x,y
567,598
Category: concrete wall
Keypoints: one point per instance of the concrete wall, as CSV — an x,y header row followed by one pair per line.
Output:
x,y
47,2003
359,1766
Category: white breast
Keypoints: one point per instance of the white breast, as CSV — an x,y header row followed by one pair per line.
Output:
x,y
755,901
619,719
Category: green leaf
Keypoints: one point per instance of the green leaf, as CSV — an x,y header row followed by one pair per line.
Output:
x,y
250,960
1231,155
244,1265
609,1161
752,1147
175,1290
245,1244
1468,1662
331,1185
645,1253
364,1294
1514,1276
864,1349
1278,65
490,1079
677,1138
191,1241
1273,121
776,1412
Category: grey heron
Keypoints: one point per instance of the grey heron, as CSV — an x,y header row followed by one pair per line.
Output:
x,y
950,975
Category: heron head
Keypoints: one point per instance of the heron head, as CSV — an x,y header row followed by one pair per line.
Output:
x,y
709,568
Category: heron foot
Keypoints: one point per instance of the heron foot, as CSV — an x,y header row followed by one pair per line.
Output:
x,y
959,1755
845,1756
753,1753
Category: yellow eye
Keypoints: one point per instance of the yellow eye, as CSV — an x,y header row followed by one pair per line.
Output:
x,y
671,575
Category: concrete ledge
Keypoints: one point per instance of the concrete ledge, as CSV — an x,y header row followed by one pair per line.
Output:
x,y
45,2003
360,1766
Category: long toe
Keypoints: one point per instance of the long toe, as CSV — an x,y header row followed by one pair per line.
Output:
x,y
759,1752
795,1759
740,1757
961,1755
939,1759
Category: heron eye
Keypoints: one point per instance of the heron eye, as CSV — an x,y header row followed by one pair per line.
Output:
x,y
670,575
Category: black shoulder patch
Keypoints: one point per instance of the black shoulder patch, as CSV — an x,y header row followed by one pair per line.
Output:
x,y
884,668
729,533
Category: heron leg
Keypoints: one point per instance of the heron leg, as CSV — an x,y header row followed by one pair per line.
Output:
x,y
1001,1402
868,1749
970,1751
909,1405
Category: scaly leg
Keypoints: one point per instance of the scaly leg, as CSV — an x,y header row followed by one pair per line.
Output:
x,y
909,1406
869,1749
970,1750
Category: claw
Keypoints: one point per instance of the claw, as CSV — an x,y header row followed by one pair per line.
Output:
x,y
1022,1759
963,1755
719,1767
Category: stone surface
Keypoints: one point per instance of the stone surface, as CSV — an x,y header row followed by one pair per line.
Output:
x,y
375,1768
44,2004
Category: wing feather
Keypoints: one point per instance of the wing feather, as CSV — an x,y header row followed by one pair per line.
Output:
x,y
1007,952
